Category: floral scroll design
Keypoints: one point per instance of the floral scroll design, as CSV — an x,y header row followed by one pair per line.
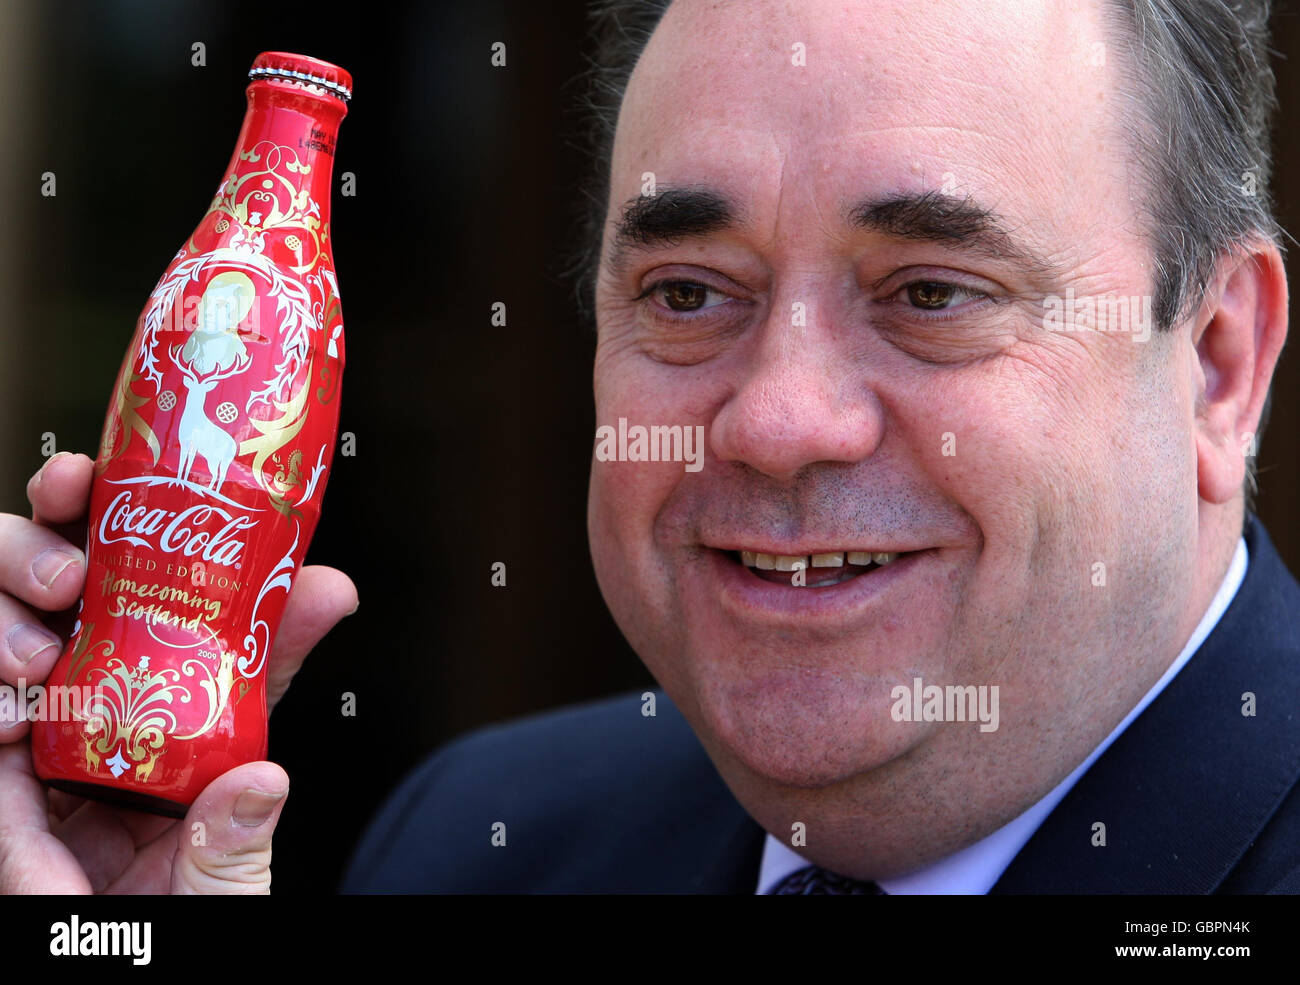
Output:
x,y
132,713
258,640
265,198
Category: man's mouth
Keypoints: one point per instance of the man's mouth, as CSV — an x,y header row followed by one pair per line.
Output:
x,y
828,589
819,570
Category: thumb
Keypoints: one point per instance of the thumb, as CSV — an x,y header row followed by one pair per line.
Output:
x,y
224,846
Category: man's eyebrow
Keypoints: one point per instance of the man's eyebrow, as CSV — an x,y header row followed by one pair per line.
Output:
x,y
961,223
677,213
666,218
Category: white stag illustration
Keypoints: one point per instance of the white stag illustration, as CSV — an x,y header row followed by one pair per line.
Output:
x,y
213,352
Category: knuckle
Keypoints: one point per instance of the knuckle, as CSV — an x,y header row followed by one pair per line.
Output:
x,y
239,872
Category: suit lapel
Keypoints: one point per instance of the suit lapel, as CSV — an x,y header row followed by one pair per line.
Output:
x,y
1187,786
733,868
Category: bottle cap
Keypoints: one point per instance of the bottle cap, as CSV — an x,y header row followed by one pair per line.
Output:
x,y
302,69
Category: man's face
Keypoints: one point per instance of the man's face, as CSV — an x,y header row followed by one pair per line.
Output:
x,y
875,202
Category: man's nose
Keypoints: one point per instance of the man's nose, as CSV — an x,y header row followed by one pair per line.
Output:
x,y
801,399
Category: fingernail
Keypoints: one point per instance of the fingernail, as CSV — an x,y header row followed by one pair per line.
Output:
x,y
58,454
254,806
355,607
26,641
49,564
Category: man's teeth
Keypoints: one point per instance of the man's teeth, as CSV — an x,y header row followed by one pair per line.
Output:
x,y
831,559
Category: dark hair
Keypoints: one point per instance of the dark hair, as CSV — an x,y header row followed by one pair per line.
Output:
x,y
1204,94
1201,95
619,32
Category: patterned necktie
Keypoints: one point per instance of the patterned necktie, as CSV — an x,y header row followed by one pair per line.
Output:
x,y
813,880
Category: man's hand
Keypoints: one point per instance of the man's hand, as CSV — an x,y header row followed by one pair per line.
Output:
x,y
52,842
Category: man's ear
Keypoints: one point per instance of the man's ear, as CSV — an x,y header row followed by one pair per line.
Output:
x,y
1238,336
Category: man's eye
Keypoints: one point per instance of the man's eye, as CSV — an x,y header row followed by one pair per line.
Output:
x,y
935,295
684,295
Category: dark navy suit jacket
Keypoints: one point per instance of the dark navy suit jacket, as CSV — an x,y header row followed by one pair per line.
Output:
x,y
1196,797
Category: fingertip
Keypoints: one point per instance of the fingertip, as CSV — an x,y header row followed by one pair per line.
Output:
x,y
261,791
28,652
328,590
255,806
58,464
246,796
60,489
56,577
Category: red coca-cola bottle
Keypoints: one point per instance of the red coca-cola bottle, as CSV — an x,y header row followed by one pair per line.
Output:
x,y
216,449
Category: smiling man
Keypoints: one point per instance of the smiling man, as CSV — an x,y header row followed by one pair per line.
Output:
x,y
977,305
843,276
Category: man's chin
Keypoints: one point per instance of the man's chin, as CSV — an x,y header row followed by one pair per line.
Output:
x,y
806,736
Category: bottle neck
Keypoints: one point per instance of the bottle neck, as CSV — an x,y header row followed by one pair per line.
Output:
x,y
275,196
284,114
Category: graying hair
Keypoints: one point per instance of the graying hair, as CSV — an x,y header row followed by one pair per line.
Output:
x,y
1205,96
1202,95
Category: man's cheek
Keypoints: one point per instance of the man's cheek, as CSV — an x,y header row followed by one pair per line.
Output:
x,y
626,497
648,434
1001,439
633,565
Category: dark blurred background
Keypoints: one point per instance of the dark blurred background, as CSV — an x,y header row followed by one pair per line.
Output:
x,y
472,442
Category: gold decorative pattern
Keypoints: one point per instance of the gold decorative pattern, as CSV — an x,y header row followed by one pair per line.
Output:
x,y
275,434
82,653
125,405
264,199
132,713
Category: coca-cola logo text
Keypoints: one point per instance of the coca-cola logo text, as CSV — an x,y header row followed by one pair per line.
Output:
x,y
192,531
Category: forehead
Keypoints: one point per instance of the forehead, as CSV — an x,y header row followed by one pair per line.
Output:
x,y
1011,101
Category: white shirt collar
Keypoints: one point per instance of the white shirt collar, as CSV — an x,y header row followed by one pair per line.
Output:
x,y
975,868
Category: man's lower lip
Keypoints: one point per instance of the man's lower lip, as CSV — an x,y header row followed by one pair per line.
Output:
x,y
748,596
